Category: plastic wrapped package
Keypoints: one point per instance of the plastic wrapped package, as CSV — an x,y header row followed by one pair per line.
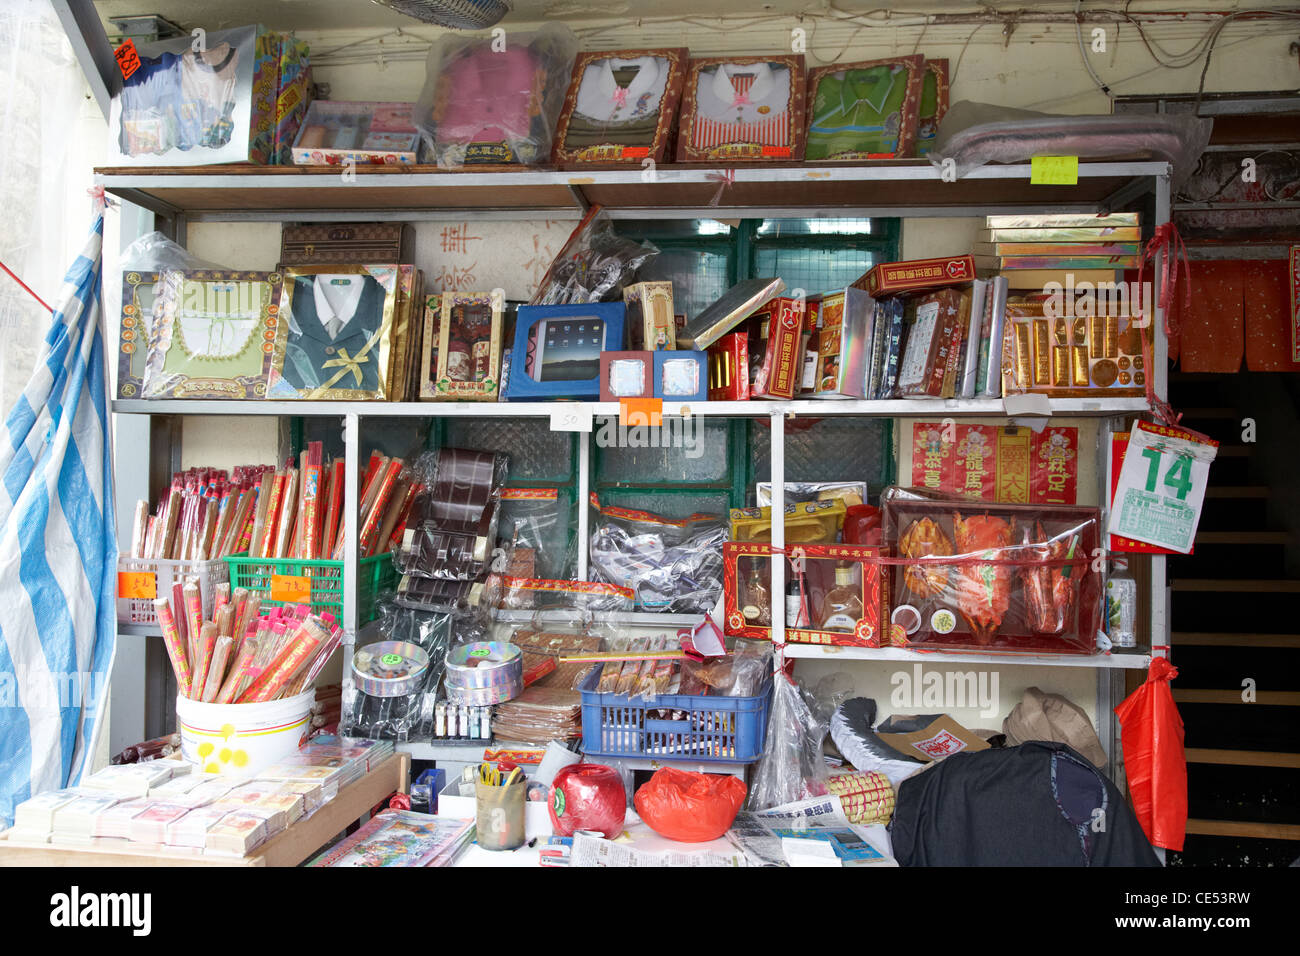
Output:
x,y
593,265
536,526
588,796
539,593
689,807
538,716
484,104
973,134
544,645
142,265
981,575
452,525
850,492
671,566
398,716
793,766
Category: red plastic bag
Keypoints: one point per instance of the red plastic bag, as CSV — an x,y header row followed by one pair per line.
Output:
x,y
588,796
689,807
1152,736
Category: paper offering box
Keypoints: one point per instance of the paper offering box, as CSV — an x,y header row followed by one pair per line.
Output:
x,y
335,333
747,108
469,347
985,576
835,594
865,110
213,334
1074,356
557,349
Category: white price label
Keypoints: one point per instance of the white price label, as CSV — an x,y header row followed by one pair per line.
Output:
x,y
1162,486
570,418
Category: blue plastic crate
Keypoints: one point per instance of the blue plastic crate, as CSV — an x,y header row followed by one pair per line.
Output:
x,y
712,730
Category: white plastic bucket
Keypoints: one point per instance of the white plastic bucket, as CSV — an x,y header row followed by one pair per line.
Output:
x,y
241,739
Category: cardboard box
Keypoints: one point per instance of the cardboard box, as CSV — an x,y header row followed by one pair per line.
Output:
x,y
139,296
776,342
681,376
729,368
291,101
940,738
649,318
722,316
370,134
1072,357
929,327
624,133
889,277
818,563
172,111
626,375
743,108
557,348
469,347
932,106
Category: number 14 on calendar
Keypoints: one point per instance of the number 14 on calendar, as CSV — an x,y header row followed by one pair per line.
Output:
x,y
1162,486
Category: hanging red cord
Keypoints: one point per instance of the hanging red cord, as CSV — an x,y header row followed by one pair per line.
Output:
x,y
26,288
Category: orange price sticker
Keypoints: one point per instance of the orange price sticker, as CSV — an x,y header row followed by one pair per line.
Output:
x,y
128,60
137,585
782,152
636,152
291,588
641,411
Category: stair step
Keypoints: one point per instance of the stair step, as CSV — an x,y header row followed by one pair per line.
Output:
x,y
1237,491
1207,639
1243,537
1276,586
1264,831
1243,758
1276,698
1233,451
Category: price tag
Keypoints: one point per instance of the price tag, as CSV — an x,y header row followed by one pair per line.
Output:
x,y
128,61
641,411
1161,486
137,585
570,418
1054,170
291,588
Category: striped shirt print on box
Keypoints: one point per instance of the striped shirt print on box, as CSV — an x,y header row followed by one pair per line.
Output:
x,y
724,128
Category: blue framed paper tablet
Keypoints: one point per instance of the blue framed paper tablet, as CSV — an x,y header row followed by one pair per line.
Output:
x,y
682,375
557,350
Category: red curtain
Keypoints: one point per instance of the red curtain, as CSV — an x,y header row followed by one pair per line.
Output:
x,y
1238,310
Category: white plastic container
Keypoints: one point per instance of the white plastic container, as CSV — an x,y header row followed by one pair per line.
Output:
x,y
241,739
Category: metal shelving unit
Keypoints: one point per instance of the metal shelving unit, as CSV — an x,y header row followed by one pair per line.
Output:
x,y
905,189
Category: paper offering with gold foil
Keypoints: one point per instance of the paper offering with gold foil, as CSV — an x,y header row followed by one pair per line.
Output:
x,y
1070,355
214,335
335,333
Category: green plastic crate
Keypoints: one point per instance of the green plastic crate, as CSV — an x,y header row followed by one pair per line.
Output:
x,y
375,575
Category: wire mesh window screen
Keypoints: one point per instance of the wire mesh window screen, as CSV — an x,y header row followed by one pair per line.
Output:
x,y
815,270
828,449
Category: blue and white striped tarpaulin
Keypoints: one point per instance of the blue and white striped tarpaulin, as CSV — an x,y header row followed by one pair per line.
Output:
x,y
58,550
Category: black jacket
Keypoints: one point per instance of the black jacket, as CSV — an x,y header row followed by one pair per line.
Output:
x,y
1038,804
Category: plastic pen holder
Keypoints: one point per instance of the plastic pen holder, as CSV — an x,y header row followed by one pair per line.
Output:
x,y
499,814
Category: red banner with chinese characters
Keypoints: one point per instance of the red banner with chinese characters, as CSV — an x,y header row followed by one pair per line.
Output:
x,y
997,463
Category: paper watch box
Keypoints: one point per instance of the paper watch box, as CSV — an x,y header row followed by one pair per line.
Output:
x,y
865,110
650,320
1072,357
139,296
187,107
729,368
469,346
913,274
620,106
743,108
933,104
408,326
722,316
776,343
335,334
681,375
823,569
843,344
335,132
214,334
980,575
346,243
931,331
627,375
557,349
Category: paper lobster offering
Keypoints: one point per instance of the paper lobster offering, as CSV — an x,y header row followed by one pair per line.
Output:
x,y
1009,577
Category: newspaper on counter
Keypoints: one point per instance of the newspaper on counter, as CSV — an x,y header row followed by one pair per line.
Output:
x,y
646,848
